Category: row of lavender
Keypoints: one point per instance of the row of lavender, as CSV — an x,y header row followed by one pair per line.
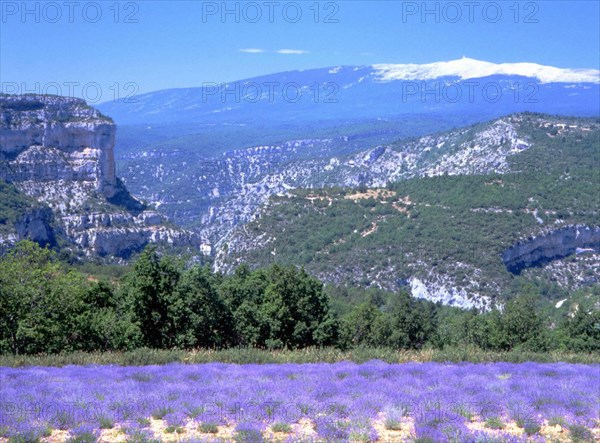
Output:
x,y
374,401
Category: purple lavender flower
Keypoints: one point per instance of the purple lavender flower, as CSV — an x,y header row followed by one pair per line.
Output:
x,y
341,400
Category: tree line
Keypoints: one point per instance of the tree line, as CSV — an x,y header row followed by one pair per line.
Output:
x,y
164,303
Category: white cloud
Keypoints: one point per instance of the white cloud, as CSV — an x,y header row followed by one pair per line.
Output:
x,y
279,51
291,51
252,50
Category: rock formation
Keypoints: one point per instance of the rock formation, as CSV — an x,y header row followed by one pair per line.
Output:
x,y
60,151
560,243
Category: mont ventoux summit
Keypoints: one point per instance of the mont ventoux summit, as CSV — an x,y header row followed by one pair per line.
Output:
x,y
433,177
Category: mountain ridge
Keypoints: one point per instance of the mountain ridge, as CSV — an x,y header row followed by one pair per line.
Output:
x,y
468,68
369,91
410,213
442,227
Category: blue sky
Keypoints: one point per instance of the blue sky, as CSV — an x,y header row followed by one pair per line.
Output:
x,y
180,44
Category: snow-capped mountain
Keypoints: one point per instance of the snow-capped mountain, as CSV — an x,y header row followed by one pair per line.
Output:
x,y
463,86
468,68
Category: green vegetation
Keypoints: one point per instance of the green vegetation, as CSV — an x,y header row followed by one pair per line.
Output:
x,y
531,428
51,314
281,427
160,413
579,433
106,423
392,424
174,429
46,308
454,226
208,428
145,356
494,423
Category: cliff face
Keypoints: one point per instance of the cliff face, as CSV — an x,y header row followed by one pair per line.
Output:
x,y
53,138
37,226
60,151
556,244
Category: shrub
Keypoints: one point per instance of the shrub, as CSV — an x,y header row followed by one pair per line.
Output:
x,y
247,433
392,424
580,433
160,413
281,427
494,423
174,429
106,423
208,428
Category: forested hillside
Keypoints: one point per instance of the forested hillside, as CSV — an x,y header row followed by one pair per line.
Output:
x,y
446,236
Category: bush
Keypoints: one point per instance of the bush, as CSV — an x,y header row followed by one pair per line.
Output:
x,y
208,428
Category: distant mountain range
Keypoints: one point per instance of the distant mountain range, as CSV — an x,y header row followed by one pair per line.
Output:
x,y
463,86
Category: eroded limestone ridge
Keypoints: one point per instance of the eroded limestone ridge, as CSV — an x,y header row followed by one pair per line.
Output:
x,y
60,151
36,130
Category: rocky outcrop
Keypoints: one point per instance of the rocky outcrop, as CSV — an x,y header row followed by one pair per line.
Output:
x,y
36,131
434,289
60,151
560,243
122,234
36,225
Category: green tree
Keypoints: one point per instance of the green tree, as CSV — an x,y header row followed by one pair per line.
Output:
x,y
56,316
362,326
24,276
486,331
243,293
151,288
582,331
106,322
411,322
521,325
297,309
39,302
203,318
277,307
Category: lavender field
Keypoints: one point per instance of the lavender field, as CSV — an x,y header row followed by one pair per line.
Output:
x,y
374,401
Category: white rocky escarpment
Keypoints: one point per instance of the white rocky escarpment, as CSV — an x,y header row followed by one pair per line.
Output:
x,y
33,126
61,152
